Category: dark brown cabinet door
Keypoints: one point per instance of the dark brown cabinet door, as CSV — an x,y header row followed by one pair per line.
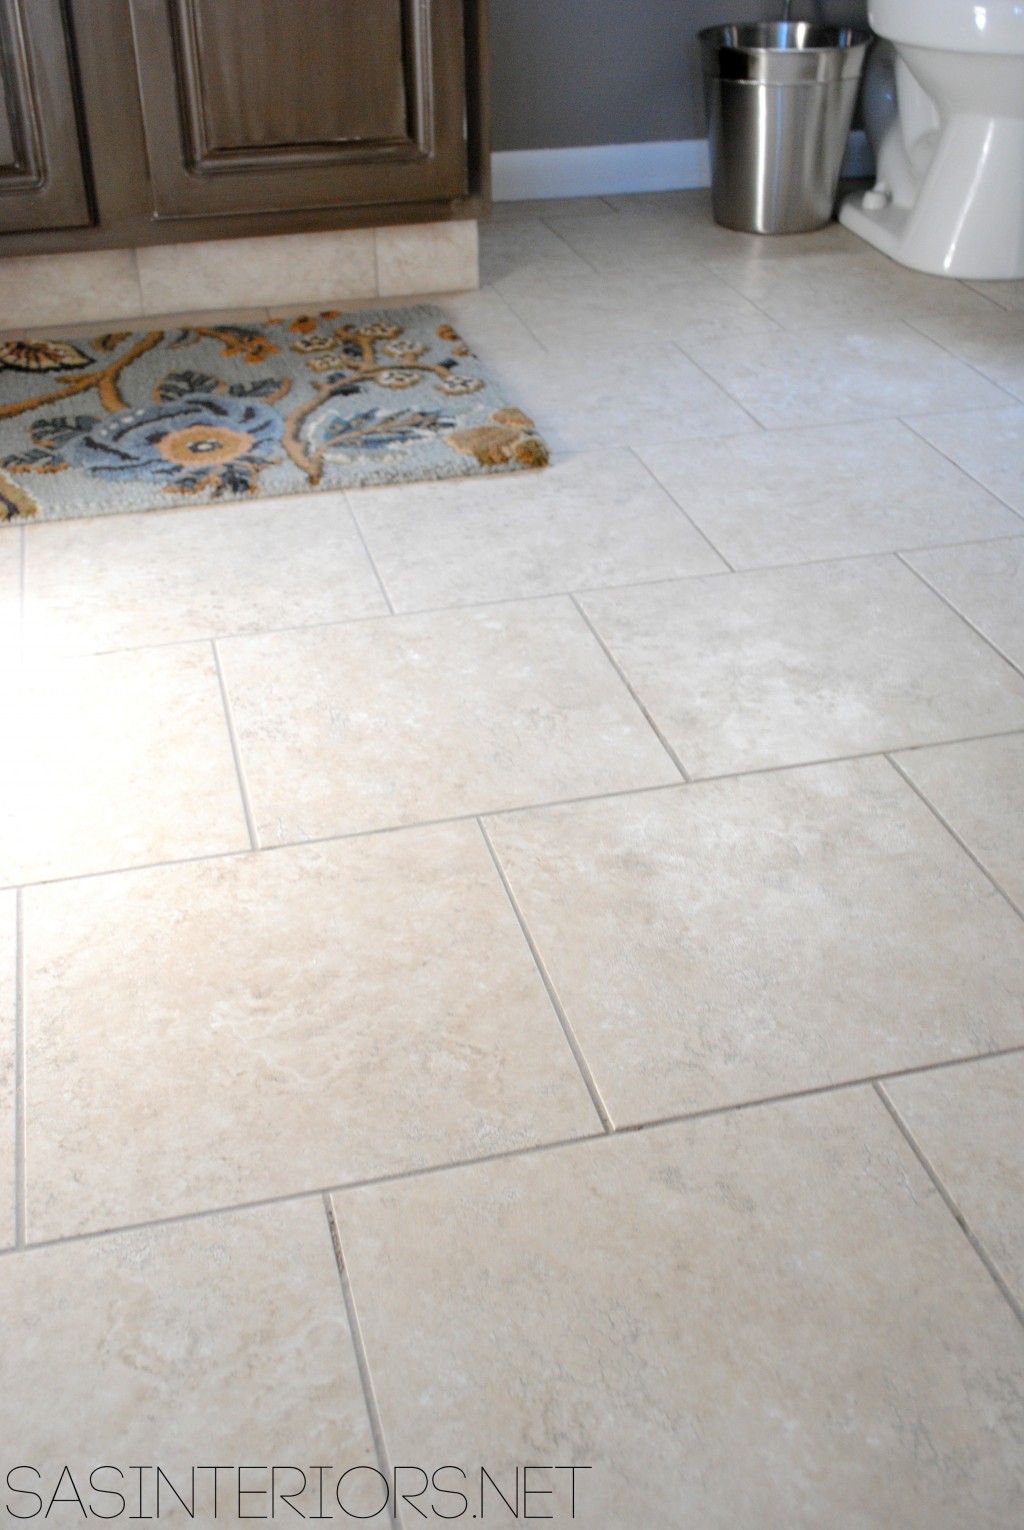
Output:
x,y
42,179
270,105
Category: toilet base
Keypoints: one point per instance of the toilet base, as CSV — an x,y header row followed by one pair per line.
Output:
x,y
962,222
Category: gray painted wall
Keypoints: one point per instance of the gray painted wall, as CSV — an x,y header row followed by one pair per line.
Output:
x,y
568,73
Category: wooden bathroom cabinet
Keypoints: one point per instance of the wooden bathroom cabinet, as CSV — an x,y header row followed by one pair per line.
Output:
x,y
133,122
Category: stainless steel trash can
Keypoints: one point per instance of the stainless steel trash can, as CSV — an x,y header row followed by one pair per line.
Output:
x,y
780,101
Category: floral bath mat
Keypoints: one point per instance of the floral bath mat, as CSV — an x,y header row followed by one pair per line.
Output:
x,y
149,420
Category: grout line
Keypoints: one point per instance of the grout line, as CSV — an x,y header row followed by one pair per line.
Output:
x,y
547,347
989,643
814,1090
908,421
405,1176
964,846
290,1197
967,284
74,655
359,1346
636,453
520,807
355,834
760,428
20,1124
915,321
372,560
871,417
947,1196
563,1019
137,271
846,759
854,557
595,270
490,287
663,741
733,286
243,787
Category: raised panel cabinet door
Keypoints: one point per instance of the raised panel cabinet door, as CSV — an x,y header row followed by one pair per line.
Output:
x,y
42,176
273,105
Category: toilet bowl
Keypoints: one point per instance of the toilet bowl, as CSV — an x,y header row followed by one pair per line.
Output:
x,y
944,112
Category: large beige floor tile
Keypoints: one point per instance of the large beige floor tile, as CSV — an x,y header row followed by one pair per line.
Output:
x,y
8,1021
204,1035
969,1123
979,790
513,245
564,308
223,1340
988,445
808,290
799,664
549,207
693,202
738,939
491,330
113,761
125,581
810,377
653,393
689,213
765,1319
986,585
656,241
791,496
1007,294
374,724
994,343
595,519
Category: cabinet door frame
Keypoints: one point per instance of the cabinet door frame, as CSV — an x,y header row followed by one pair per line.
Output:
x,y
44,185
188,180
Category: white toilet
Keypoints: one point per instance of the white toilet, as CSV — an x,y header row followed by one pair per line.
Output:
x,y
944,111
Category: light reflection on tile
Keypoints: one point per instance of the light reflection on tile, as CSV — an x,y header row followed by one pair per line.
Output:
x,y
113,761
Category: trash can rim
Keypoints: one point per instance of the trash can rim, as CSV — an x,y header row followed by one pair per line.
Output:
x,y
842,37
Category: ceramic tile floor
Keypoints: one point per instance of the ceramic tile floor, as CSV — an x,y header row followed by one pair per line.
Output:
x,y
517,986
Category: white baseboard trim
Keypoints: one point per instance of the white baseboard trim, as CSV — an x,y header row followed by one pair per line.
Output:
x,y
527,175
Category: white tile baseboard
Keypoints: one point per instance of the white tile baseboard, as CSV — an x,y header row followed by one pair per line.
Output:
x,y
525,175
86,287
